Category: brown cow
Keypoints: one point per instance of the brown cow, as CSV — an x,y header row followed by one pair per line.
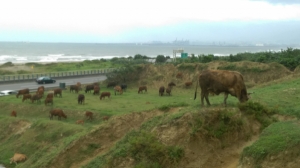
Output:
x,y
171,84
22,92
57,92
222,81
13,113
105,118
57,112
141,88
161,90
179,75
36,98
80,122
80,99
89,88
89,115
40,91
48,100
18,157
50,95
26,96
118,89
75,88
168,90
41,88
104,94
188,84
96,90
79,85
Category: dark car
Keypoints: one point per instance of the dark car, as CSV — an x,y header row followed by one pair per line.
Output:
x,y
45,79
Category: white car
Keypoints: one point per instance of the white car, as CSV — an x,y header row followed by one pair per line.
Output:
x,y
7,92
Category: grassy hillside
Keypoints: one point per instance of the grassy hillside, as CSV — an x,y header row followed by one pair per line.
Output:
x,y
145,130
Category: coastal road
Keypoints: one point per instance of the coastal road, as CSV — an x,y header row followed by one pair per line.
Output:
x,y
67,81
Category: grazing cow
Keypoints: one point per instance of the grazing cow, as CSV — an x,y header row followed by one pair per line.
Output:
x,y
124,86
118,89
40,91
79,85
80,99
22,92
89,115
111,84
75,88
57,92
50,95
48,100
142,88
168,90
161,90
89,88
188,84
41,88
105,118
13,113
96,90
26,96
179,75
171,84
80,122
36,98
222,81
18,157
104,94
57,112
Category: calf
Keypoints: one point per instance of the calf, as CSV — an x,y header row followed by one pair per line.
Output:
x,y
36,98
18,157
75,88
80,122
124,86
105,118
80,99
179,75
141,88
89,115
13,113
171,84
48,100
161,90
118,89
57,112
168,90
96,90
57,92
89,88
188,84
79,85
50,95
26,96
104,94
22,92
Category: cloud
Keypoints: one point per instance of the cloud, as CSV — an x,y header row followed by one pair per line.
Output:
x,y
281,1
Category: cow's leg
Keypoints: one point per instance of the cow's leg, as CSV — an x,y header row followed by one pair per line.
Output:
x,y
206,98
225,98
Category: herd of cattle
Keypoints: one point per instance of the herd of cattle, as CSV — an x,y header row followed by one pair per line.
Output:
x,y
210,81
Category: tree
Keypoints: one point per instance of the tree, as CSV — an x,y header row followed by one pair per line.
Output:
x,y
160,59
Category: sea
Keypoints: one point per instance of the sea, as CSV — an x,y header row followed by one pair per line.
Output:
x,y
24,52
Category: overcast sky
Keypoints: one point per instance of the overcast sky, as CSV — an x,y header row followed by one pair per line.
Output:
x,y
150,20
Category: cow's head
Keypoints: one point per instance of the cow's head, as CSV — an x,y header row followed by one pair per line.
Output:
x,y
245,96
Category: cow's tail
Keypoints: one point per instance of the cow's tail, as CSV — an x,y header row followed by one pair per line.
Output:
x,y
195,96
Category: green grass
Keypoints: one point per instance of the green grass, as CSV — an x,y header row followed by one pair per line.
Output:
x,y
278,137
